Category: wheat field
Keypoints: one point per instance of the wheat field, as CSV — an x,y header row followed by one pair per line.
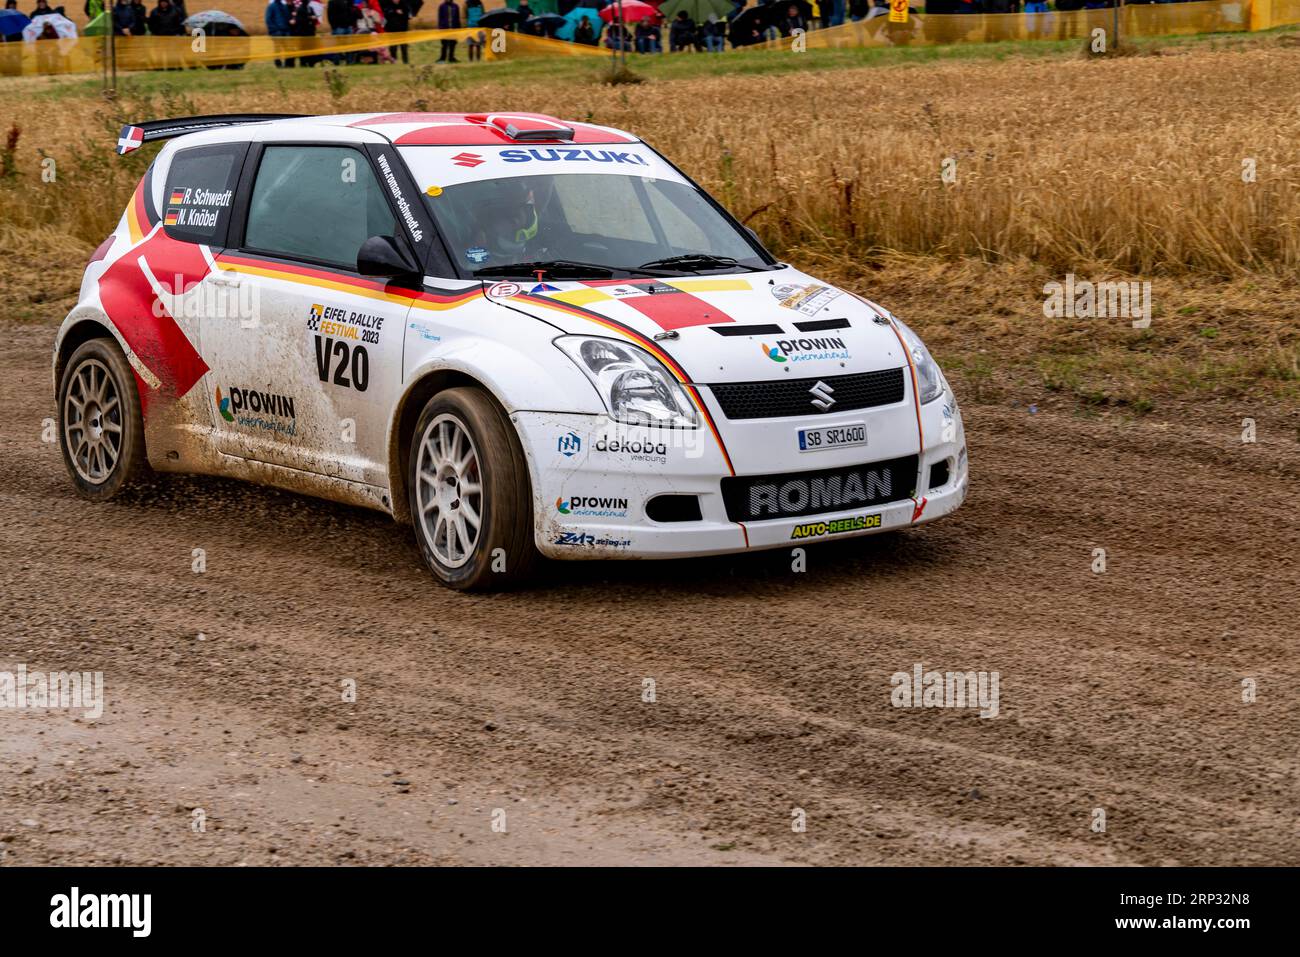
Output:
x,y
956,186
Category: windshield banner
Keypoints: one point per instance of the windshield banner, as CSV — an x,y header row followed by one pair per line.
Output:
x,y
437,167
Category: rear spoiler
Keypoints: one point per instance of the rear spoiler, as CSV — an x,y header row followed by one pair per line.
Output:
x,y
136,135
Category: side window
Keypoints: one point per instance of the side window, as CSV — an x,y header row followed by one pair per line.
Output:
x,y
316,202
199,192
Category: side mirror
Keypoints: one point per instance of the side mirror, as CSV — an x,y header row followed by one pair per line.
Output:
x,y
384,256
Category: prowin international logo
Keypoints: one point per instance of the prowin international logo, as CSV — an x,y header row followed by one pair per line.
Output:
x,y
592,505
268,411
131,911
807,350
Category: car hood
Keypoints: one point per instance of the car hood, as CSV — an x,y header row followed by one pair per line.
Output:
x,y
742,327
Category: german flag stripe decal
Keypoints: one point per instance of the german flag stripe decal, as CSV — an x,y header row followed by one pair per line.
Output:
x,y
645,342
343,282
428,298
137,222
140,213
649,345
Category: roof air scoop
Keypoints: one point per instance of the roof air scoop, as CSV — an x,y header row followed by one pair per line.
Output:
x,y
530,129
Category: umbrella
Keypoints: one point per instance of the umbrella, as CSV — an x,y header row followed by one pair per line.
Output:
x,y
777,9
201,21
633,10
574,17
544,22
697,10
218,23
98,26
64,27
12,22
504,17
741,30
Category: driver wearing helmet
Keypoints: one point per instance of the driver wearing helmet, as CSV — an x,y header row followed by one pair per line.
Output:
x,y
508,220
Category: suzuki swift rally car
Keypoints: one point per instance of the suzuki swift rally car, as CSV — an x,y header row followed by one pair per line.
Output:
x,y
523,335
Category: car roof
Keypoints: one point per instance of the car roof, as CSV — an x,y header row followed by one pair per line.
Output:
x,y
468,129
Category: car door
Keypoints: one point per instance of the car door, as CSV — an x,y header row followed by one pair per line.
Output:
x,y
311,384
174,263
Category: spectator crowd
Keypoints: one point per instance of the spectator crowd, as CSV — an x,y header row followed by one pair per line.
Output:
x,y
130,18
308,18
304,18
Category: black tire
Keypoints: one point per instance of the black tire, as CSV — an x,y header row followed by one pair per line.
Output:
x,y
103,446
501,552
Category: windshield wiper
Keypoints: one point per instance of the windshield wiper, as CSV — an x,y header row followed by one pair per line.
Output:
x,y
550,267
694,262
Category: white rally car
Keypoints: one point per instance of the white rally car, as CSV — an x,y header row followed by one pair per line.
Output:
x,y
524,335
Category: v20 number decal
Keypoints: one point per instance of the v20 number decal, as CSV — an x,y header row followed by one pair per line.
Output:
x,y
349,364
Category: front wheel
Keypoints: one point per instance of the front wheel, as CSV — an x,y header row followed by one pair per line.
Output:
x,y
470,499
101,430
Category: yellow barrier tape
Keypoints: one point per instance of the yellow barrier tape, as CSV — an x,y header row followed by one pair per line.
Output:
x,y
1274,13
86,54
1145,20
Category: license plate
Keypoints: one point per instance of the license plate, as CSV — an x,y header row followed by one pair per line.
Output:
x,y
832,437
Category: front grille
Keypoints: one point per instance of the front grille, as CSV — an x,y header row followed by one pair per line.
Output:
x,y
755,498
767,400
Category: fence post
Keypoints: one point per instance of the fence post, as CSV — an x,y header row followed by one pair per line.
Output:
x,y
110,61
1261,14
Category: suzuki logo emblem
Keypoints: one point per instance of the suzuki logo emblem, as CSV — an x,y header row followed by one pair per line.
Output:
x,y
821,395
468,159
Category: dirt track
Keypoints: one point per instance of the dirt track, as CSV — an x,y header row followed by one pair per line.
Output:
x,y
1119,690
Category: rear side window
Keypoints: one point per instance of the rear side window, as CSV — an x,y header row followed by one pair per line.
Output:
x,y
316,202
200,191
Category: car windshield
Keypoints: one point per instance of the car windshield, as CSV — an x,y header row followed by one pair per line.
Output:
x,y
586,225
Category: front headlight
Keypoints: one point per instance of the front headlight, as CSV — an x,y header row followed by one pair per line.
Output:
x,y
637,389
928,377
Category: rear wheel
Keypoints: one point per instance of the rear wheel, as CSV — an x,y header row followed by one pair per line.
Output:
x,y
101,430
470,499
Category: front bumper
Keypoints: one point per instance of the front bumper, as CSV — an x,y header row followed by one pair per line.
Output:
x,y
594,479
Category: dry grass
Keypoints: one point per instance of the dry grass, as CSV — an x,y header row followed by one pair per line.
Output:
x,y
1125,167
